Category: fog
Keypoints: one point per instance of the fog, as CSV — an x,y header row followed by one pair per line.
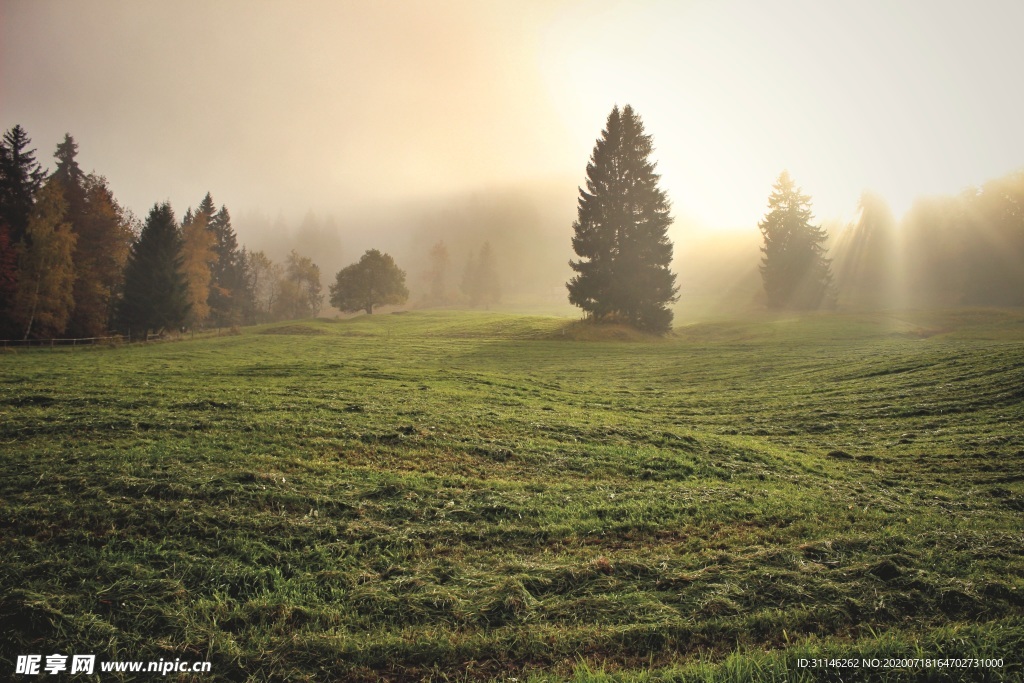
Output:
x,y
334,127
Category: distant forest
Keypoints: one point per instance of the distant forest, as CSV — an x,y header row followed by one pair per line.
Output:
x,y
74,263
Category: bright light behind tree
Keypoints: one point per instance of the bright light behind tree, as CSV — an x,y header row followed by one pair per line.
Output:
x,y
907,99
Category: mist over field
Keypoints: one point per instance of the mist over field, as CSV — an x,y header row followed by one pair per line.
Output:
x,y
333,128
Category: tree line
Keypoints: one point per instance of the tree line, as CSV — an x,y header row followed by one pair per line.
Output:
x,y
74,263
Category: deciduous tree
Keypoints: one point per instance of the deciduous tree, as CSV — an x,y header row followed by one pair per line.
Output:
x,y
197,257
103,241
374,281
43,299
299,293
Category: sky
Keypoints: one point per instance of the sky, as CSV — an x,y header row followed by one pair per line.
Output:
x,y
287,107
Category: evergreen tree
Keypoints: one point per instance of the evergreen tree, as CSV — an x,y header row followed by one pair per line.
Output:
x,y
21,178
43,299
70,177
374,281
207,209
794,269
155,290
621,232
227,273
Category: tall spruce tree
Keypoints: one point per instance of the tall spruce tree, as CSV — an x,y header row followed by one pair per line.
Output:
x,y
794,270
621,232
155,290
21,178
227,285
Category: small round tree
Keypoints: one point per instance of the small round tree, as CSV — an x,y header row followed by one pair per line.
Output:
x,y
374,281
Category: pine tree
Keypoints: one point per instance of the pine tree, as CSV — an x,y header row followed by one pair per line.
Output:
x,y
43,299
155,290
21,178
621,232
227,273
794,269
70,177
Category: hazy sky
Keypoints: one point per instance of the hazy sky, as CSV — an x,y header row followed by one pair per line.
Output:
x,y
290,106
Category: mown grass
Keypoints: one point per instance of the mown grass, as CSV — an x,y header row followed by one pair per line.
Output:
x,y
483,496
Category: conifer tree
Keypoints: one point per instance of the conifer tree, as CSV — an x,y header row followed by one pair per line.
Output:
x,y
155,290
227,272
43,298
21,178
794,269
621,232
70,177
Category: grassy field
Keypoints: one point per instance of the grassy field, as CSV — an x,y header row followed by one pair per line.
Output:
x,y
458,496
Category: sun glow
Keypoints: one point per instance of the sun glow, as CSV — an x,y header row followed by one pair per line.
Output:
x,y
846,98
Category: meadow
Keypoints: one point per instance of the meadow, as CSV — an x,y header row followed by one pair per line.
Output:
x,y
486,496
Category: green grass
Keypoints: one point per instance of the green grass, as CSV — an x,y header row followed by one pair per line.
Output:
x,y
458,496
